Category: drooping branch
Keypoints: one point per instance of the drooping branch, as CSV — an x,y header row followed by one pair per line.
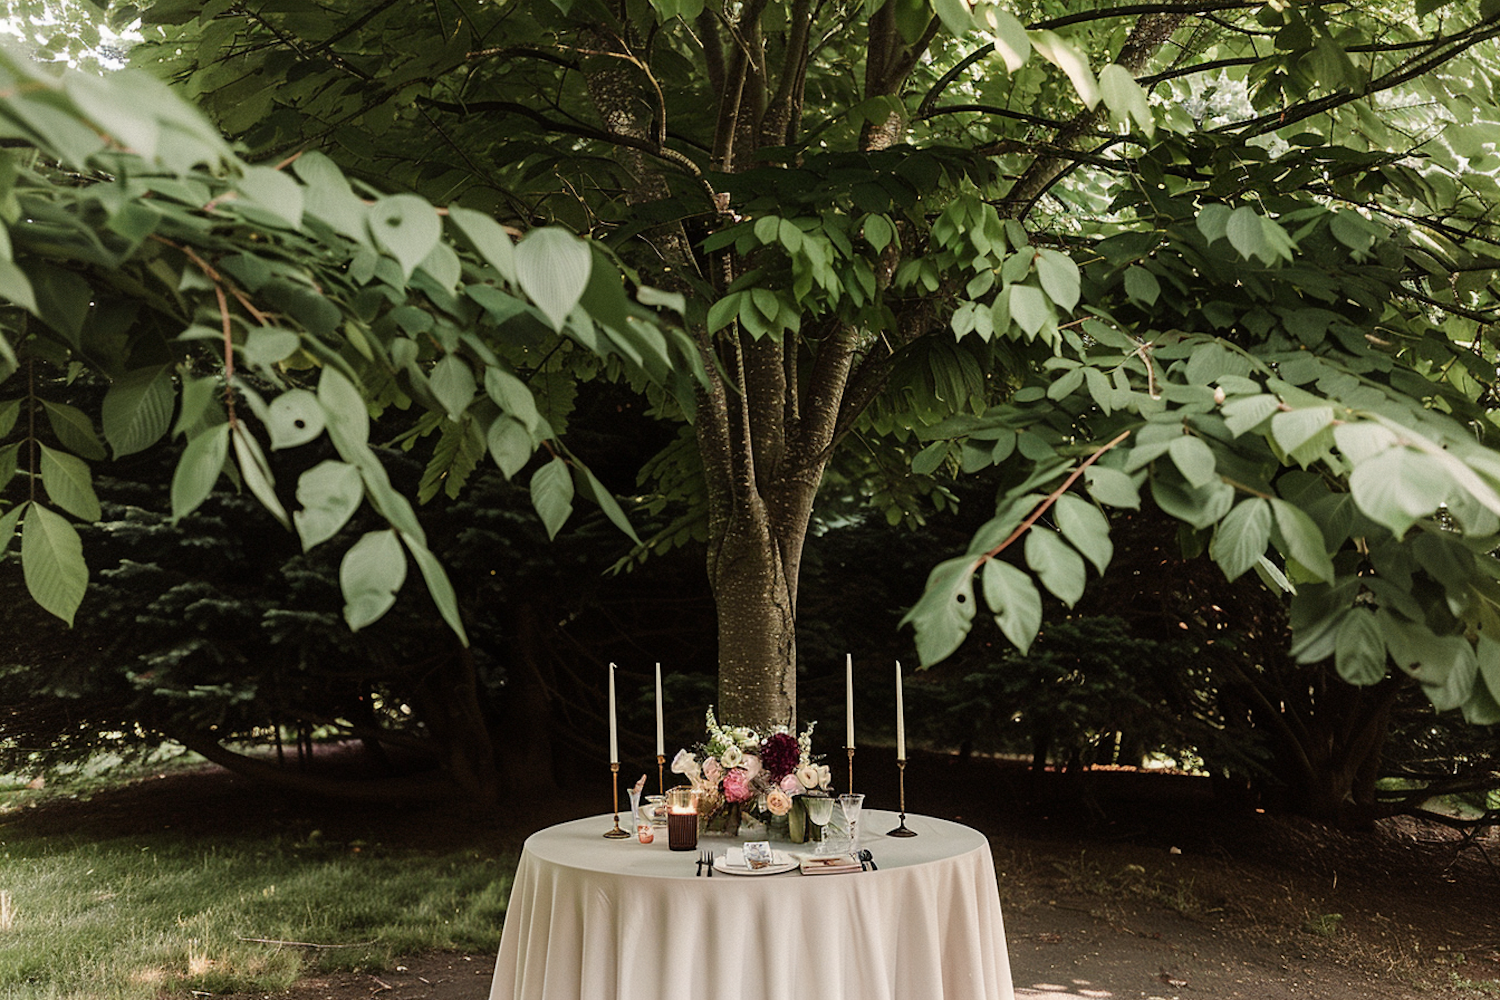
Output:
x,y
1148,35
1449,49
415,788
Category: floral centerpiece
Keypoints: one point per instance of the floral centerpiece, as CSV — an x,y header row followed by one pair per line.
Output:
x,y
740,772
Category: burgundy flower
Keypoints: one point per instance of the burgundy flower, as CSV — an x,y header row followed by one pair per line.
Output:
x,y
779,754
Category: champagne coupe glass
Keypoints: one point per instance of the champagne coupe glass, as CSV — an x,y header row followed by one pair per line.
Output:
x,y
820,812
850,805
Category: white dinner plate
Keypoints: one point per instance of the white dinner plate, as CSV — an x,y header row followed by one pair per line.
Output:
x,y
780,862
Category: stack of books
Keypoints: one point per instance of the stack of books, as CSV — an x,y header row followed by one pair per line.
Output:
x,y
830,865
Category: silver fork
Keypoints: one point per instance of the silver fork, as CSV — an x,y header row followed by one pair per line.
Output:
x,y
706,858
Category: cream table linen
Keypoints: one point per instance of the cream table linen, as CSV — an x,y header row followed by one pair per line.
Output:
x,y
597,919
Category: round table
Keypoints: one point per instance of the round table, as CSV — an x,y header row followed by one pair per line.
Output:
x,y
597,919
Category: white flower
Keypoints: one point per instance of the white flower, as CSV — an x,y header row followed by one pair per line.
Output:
x,y
685,764
731,757
808,775
751,764
825,776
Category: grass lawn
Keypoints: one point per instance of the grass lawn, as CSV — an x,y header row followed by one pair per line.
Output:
x,y
84,915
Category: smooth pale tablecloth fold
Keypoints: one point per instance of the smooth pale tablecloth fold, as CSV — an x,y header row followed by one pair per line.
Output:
x,y
596,919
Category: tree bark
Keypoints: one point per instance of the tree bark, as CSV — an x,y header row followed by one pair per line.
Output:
x,y
765,432
447,701
524,756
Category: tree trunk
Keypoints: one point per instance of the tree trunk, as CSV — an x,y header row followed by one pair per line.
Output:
x,y
524,755
447,700
757,626
767,421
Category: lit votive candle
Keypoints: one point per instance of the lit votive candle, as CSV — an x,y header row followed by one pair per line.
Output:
x,y
682,819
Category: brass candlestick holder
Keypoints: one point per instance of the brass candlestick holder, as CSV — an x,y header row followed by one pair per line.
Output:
x,y
614,770
851,768
661,782
902,831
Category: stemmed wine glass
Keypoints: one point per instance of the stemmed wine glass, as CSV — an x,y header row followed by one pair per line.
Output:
x,y
820,813
849,804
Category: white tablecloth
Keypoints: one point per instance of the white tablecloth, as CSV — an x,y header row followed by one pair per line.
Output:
x,y
597,919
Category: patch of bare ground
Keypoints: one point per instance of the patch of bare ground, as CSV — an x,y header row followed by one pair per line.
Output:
x,y
1151,890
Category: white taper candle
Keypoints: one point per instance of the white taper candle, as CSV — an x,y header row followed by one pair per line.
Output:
x,y
900,717
661,742
614,739
849,698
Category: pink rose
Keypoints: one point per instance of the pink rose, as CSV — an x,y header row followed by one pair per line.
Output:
x,y
779,802
712,772
736,785
791,785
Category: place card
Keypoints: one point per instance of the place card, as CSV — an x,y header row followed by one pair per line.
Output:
x,y
758,853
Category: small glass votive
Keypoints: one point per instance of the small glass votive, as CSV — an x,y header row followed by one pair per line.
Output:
x,y
682,818
655,809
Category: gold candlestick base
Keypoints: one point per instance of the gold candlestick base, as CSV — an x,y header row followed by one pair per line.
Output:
x,y
661,783
851,768
616,833
902,831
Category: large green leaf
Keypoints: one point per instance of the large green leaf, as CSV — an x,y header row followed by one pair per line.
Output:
x,y
1029,308
406,227
1125,98
74,429
69,483
590,487
328,197
487,237
1359,651
52,562
1398,486
1304,541
452,382
8,522
294,418
330,492
955,16
1240,539
512,396
1086,527
944,614
438,585
137,410
1112,487
510,444
1294,428
255,471
1487,651
1015,600
345,412
1056,563
552,494
1012,44
1248,412
1059,277
552,267
1194,459
274,192
370,575
198,469
1067,57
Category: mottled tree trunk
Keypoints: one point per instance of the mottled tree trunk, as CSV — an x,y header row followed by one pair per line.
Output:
x,y
772,412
